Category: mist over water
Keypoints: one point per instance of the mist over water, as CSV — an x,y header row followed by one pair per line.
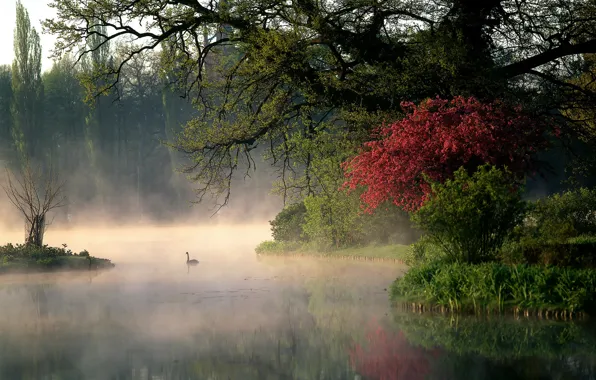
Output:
x,y
233,316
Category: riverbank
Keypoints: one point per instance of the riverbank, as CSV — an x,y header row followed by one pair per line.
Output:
x,y
529,290
392,252
28,259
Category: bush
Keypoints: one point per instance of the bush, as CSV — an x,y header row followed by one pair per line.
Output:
x,y
33,252
287,225
579,252
498,287
558,230
470,217
423,251
562,216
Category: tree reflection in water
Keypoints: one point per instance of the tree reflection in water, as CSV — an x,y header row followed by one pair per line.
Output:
x,y
388,356
321,330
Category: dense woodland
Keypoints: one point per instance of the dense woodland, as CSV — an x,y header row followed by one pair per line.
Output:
x,y
110,148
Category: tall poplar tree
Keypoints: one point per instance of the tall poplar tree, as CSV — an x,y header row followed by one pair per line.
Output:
x,y
27,87
5,116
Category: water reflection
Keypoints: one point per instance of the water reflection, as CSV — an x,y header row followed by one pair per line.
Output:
x,y
271,320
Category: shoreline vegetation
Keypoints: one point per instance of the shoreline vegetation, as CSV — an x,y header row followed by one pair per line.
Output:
x,y
22,258
482,250
494,288
387,253
541,266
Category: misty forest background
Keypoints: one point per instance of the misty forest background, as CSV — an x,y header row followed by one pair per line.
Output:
x,y
109,148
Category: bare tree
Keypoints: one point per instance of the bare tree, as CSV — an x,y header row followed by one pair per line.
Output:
x,y
34,193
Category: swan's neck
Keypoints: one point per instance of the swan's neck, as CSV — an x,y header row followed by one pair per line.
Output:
x,y
187,257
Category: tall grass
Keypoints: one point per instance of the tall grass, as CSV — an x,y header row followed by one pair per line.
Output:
x,y
496,287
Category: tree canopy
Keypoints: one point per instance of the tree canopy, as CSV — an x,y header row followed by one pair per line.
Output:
x,y
261,71
437,138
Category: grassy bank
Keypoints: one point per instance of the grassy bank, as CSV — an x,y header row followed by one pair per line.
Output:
x,y
393,252
500,288
25,259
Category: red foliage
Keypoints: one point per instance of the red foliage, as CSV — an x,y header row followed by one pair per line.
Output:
x,y
438,137
389,357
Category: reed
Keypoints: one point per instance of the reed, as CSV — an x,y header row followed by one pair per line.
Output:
x,y
522,290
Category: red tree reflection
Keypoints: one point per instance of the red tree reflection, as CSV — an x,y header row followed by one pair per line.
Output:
x,y
388,356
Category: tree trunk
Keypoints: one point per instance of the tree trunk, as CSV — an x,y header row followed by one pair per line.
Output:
x,y
36,231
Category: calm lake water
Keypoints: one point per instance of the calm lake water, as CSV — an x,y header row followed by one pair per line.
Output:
x,y
235,316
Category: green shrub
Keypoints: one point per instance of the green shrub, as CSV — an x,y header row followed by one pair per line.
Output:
x,y
287,225
471,217
495,286
562,216
22,257
579,252
33,252
558,230
423,251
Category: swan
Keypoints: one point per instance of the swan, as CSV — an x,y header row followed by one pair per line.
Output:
x,y
190,262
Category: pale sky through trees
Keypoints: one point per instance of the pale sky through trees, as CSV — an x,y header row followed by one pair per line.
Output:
x,y
38,10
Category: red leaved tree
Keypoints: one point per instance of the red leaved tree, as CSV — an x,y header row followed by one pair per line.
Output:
x,y
438,137
388,356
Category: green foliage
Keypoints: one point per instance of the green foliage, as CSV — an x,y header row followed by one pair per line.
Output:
x,y
498,287
21,257
333,221
562,216
424,251
6,143
325,222
276,247
27,87
558,230
267,81
287,225
470,217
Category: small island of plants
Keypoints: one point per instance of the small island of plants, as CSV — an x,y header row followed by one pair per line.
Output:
x,y
35,192
21,258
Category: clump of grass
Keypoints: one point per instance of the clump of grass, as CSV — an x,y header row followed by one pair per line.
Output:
x,y
498,287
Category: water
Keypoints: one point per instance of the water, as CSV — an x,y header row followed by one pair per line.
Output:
x,y
238,317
